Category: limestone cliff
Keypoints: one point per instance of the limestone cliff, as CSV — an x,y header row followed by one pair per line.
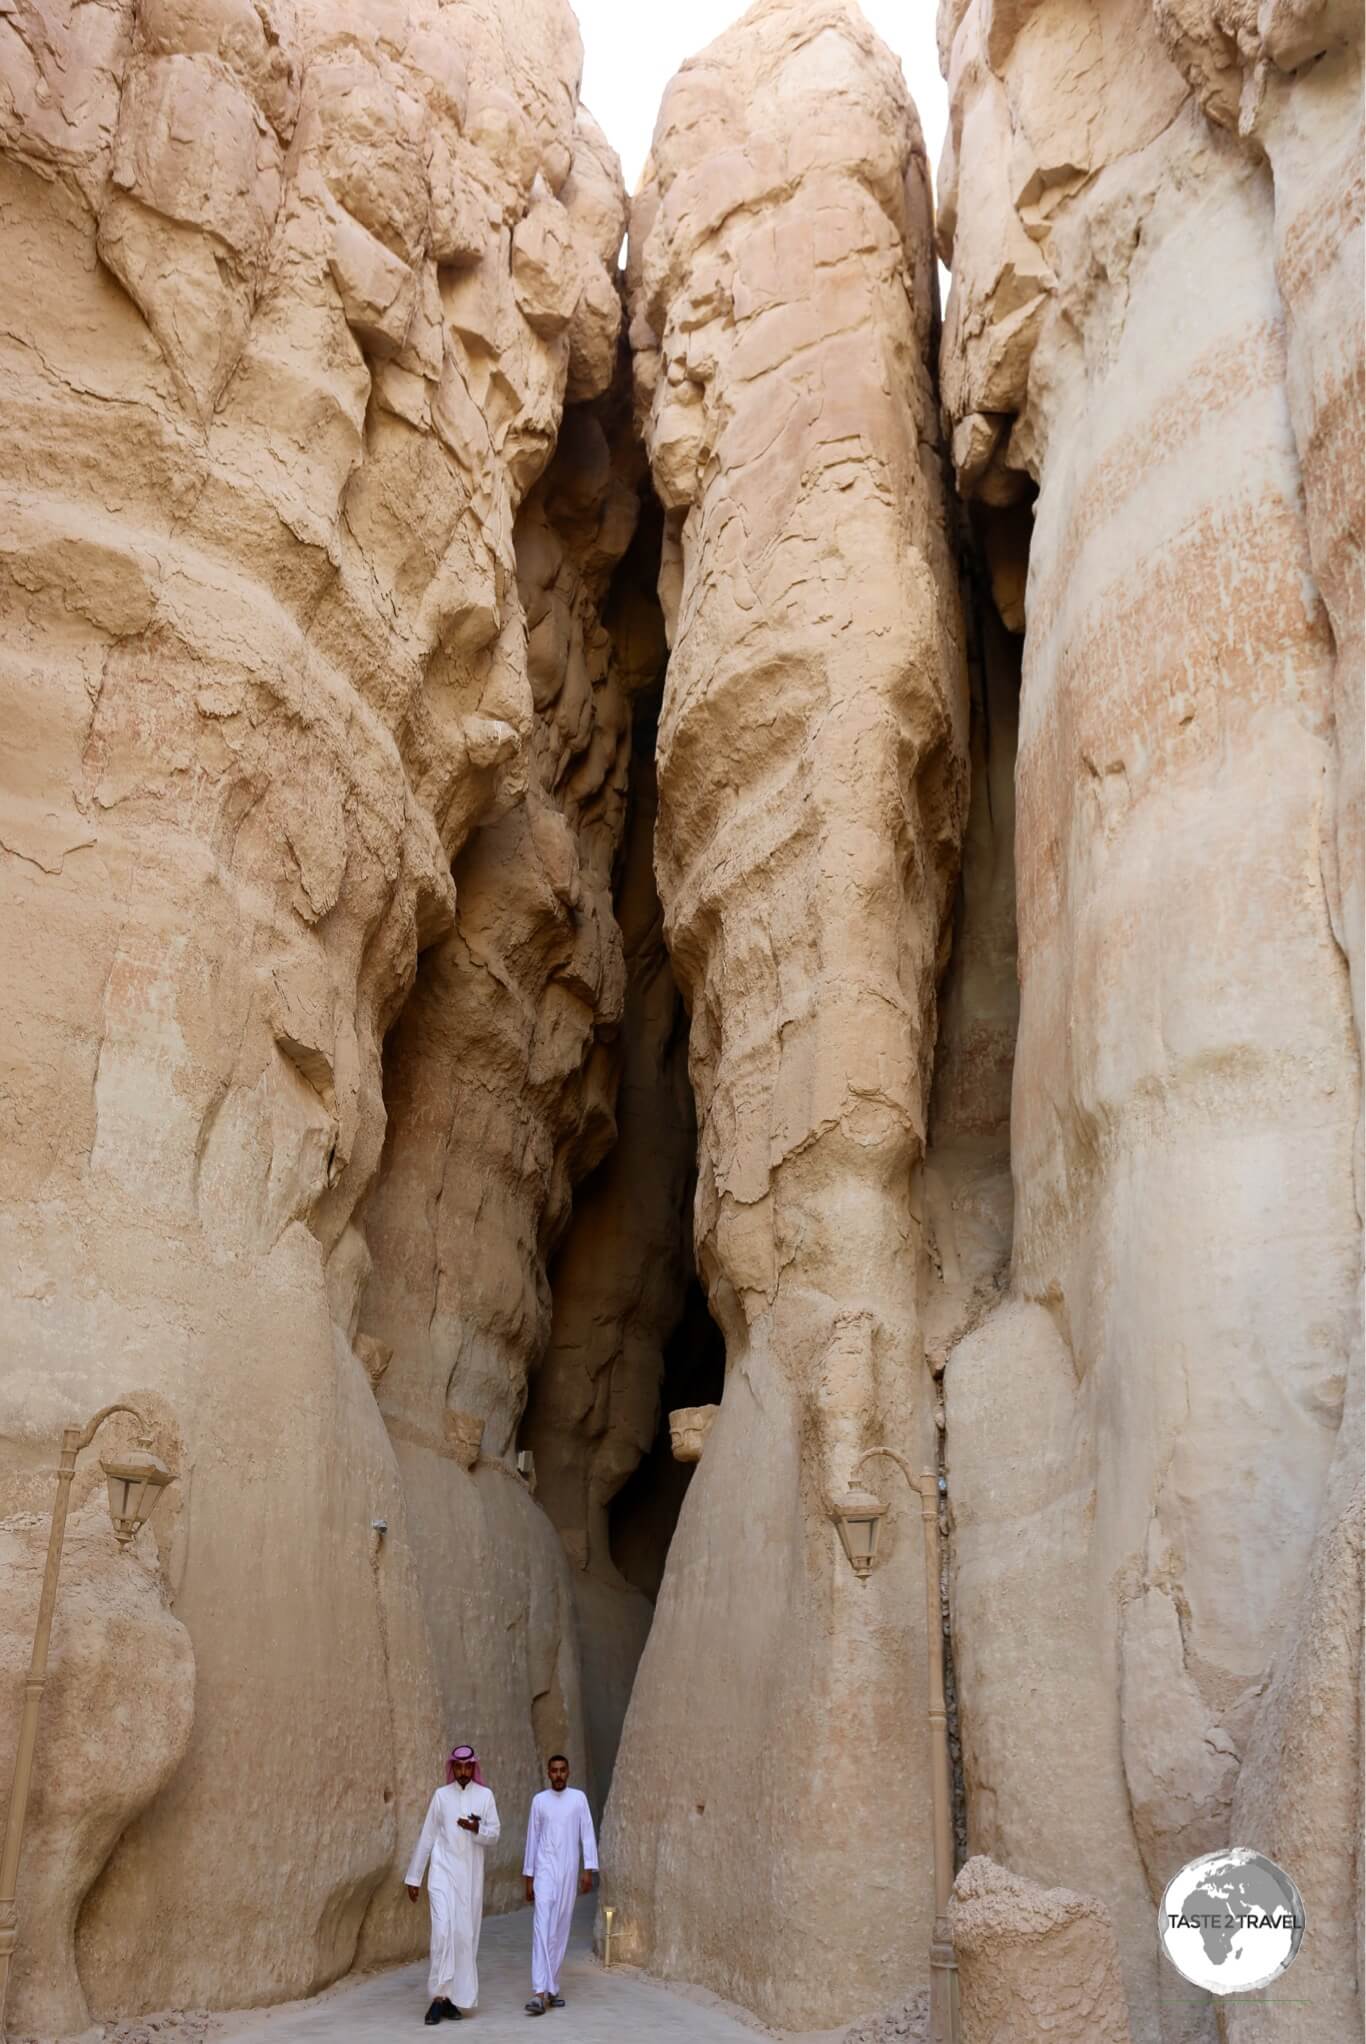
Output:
x,y
119,1701
294,295
1288,79
499,1084
812,763
428,866
1144,1437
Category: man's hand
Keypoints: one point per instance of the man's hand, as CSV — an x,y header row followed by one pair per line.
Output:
x,y
530,1887
468,1823
413,1892
585,1882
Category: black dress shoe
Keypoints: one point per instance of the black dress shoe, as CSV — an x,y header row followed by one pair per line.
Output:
x,y
449,2010
433,2015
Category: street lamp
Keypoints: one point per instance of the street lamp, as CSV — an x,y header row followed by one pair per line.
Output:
x,y
136,1480
859,1516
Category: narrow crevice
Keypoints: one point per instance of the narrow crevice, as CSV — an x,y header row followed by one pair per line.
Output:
x,y
645,1510
619,1282
968,1176
958,1787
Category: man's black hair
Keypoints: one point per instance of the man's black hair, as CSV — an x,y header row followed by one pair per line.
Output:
x,y
557,1756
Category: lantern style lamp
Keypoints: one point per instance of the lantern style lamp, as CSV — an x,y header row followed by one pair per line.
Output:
x,y
859,1515
136,1481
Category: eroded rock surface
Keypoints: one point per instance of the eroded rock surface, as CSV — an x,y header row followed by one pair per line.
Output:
x,y
118,1704
1035,1965
294,297
968,1196
618,1289
1145,1436
500,1086
348,1128
812,763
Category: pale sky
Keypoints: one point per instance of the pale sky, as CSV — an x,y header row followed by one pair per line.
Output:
x,y
631,49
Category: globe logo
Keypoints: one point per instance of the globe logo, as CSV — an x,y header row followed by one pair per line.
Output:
x,y
1231,1921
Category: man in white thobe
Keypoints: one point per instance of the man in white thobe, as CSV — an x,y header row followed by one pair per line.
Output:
x,y
559,1830
462,1823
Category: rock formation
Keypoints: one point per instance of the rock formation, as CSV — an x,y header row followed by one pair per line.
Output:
x,y
1144,1437
294,297
478,785
1035,1965
594,1412
812,761
118,1704
500,1078
1289,81
966,1174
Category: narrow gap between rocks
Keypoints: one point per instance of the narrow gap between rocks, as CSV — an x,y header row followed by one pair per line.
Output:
x,y
645,1510
968,1164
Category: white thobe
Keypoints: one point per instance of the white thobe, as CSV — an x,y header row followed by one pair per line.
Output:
x,y
559,1828
455,1886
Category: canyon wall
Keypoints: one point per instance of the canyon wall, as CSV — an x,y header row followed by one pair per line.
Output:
x,y
391,964
295,295
813,782
499,1084
501,1079
1153,340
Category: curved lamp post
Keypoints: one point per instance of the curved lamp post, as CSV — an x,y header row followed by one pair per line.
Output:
x,y
859,1516
135,1482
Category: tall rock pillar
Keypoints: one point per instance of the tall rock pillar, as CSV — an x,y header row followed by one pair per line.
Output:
x,y
1292,92
768,1829
1154,1440
292,306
